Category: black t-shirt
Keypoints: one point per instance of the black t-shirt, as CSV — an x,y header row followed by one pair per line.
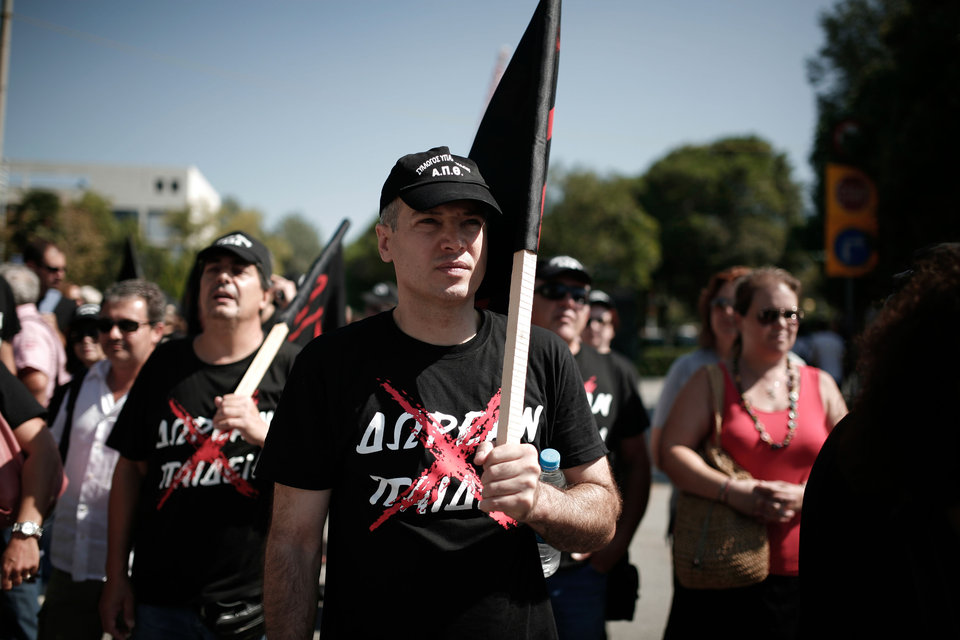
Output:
x,y
390,424
17,404
613,391
199,530
8,312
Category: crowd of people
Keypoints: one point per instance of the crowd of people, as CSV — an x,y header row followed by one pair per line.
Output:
x,y
164,495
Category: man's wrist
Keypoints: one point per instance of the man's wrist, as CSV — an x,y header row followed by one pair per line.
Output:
x,y
27,529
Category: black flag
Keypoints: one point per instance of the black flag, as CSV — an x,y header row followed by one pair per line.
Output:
x,y
512,148
130,268
320,304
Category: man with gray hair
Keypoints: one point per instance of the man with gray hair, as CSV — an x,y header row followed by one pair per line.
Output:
x,y
129,327
37,350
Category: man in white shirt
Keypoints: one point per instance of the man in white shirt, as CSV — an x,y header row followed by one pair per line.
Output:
x,y
130,326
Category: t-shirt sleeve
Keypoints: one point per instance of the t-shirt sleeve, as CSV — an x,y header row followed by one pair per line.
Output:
x,y
17,404
297,449
632,419
574,431
129,436
32,351
11,323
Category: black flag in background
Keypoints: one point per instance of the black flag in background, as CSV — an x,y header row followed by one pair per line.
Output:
x,y
320,304
130,268
512,148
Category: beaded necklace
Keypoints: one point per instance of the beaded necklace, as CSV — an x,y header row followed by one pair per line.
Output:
x,y
792,398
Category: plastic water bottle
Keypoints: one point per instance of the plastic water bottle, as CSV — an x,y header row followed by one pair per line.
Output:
x,y
550,473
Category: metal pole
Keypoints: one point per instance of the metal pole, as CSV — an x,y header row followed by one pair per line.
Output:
x,y
4,64
5,28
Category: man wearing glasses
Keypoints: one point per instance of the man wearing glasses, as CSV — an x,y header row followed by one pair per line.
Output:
x,y
579,589
50,264
129,326
184,496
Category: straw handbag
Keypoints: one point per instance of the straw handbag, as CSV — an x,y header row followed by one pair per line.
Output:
x,y
714,545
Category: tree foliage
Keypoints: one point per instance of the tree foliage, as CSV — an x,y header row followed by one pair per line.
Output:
x,y
93,239
888,94
302,239
729,202
37,216
600,222
363,265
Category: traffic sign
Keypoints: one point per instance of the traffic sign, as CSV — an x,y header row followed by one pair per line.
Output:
x,y
851,222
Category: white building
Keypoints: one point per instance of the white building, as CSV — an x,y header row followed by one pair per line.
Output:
x,y
142,193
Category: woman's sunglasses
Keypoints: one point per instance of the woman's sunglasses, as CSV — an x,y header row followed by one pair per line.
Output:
x,y
559,291
722,303
771,315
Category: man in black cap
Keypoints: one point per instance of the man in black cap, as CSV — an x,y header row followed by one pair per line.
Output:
x,y
386,425
381,297
582,592
184,496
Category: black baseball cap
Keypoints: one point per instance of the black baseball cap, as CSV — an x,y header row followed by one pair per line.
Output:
x,y
431,178
601,298
381,293
563,266
88,312
245,247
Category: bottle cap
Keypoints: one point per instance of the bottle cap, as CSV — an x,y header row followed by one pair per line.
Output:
x,y
549,459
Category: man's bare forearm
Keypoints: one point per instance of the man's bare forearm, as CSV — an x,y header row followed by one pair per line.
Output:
x,y
290,589
581,518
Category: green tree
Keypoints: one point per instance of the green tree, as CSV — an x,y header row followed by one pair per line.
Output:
x,y
37,216
729,202
93,241
363,266
599,221
304,242
888,92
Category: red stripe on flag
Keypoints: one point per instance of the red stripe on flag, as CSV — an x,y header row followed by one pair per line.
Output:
x,y
550,126
543,200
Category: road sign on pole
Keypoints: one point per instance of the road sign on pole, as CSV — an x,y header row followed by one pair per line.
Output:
x,y
851,222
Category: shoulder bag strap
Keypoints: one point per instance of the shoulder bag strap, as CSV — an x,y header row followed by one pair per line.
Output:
x,y
715,375
72,393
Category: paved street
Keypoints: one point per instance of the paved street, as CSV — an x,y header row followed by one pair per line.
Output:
x,y
650,552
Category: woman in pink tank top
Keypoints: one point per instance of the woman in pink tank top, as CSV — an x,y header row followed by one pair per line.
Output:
x,y
776,415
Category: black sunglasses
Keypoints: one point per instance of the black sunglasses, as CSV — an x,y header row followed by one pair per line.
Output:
x,y
86,331
771,315
559,291
54,269
104,325
722,303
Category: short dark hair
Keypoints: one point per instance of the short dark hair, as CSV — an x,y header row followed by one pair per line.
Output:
x,y
138,288
36,249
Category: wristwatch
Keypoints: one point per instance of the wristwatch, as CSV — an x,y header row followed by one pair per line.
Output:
x,y
28,529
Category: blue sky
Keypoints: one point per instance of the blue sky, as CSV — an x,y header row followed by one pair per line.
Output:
x,y
304,105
